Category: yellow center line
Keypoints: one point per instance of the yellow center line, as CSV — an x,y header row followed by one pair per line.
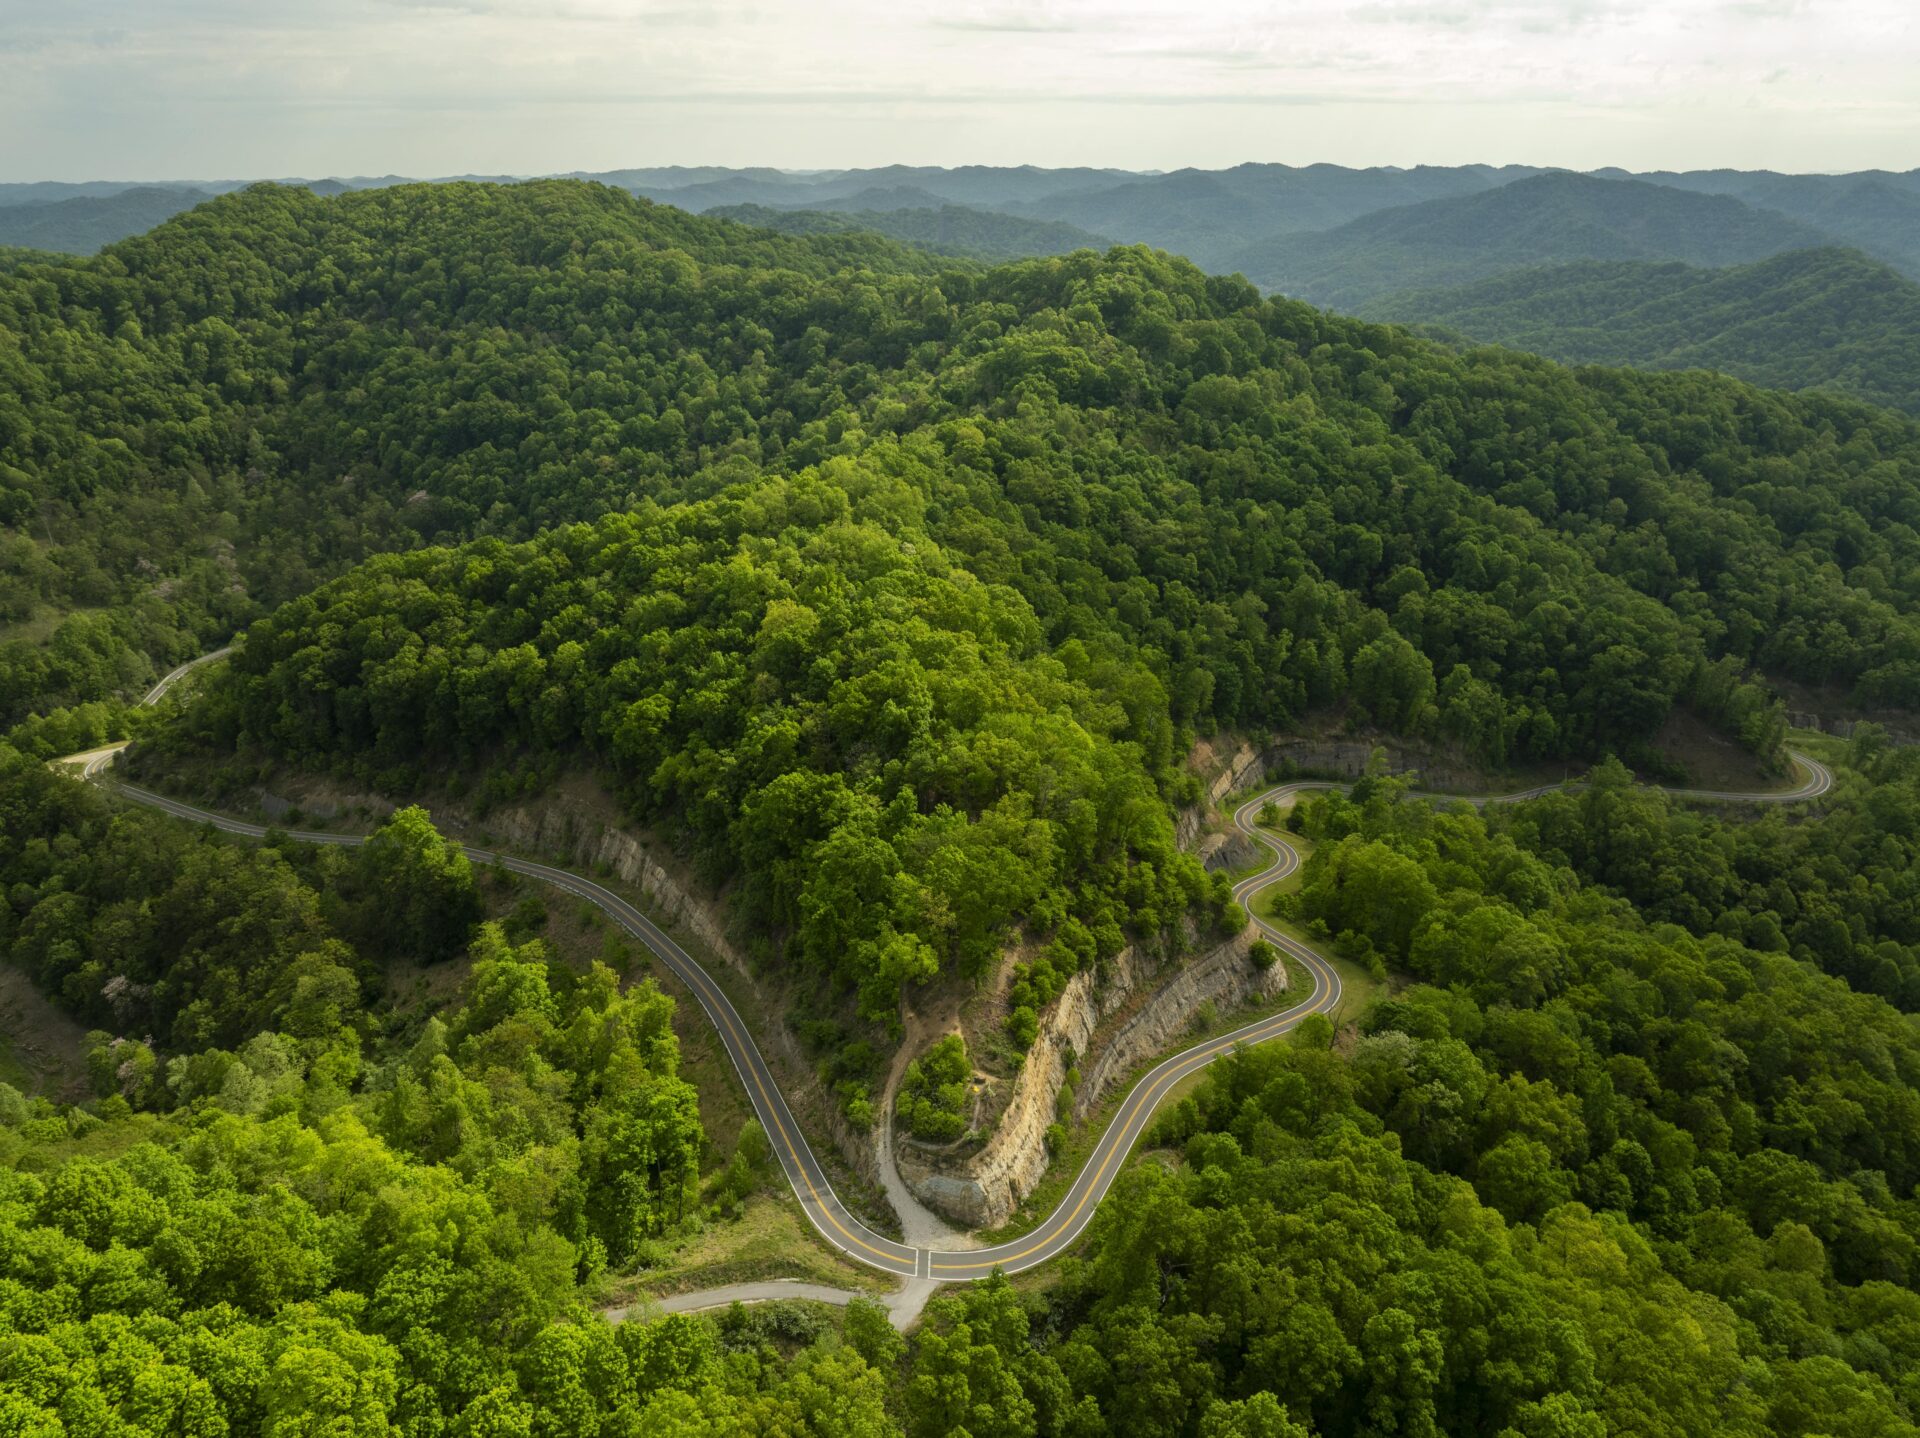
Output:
x,y
717,1007
1145,1100
1141,1102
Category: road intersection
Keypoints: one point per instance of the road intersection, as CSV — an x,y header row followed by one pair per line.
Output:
x,y
1061,1229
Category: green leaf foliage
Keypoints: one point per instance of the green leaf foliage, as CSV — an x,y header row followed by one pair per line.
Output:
x,y
1245,493
1822,318
881,746
933,1101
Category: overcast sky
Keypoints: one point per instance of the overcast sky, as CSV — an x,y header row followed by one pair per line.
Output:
x,y
213,89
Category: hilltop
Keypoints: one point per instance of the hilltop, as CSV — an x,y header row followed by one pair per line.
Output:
x,y
1825,318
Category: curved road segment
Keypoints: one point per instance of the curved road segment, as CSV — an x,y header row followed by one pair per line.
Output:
x,y
1063,1226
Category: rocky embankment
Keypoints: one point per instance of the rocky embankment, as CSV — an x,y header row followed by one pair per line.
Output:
x,y
593,841
983,1189
1107,1028
1103,1027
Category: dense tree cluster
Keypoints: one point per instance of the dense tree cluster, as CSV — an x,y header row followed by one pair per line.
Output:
x,y
1686,1075
1305,1272
1842,891
149,927
174,445
1544,219
1592,1175
331,1219
893,593
933,1091
1821,318
944,229
878,744
1248,491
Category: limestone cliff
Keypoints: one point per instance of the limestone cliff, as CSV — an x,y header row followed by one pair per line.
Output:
x,y
1106,1028
983,1188
559,827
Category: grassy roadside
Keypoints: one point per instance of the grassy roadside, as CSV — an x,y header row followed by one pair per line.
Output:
x,y
771,1239
1829,749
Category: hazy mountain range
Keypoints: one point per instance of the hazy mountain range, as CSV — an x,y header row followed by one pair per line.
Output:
x,y
1232,219
1828,319
1662,269
944,229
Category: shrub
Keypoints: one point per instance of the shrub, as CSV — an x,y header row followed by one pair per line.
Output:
x,y
1023,1027
933,1095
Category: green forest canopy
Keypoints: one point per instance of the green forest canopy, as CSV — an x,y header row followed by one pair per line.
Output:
x,y
1591,1175
1244,493
895,590
1826,318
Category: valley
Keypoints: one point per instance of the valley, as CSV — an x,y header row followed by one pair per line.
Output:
x,y
889,808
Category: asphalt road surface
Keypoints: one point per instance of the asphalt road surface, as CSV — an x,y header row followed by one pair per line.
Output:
x,y
1060,1229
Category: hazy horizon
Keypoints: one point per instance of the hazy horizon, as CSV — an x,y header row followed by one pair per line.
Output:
x,y
222,89
827,171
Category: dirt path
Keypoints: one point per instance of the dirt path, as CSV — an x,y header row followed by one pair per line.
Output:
x,y
919,1225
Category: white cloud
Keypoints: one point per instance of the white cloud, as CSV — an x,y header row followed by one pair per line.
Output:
x,y
218,88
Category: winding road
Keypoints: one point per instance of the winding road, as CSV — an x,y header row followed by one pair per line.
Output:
x,y
1060,1229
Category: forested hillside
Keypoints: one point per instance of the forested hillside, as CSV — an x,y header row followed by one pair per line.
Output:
x,y
1828,319
291,1206
797,679
1246,492
1548,219
1210,216
1876,210
1214,217
945,229
889,591
1591,1175
83,224
172,456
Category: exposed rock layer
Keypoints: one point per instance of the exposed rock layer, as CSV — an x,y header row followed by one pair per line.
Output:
x,y
564,826
983,1189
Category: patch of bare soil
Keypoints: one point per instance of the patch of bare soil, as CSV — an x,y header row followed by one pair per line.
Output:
x,y
1336,743
1712,759
43,1053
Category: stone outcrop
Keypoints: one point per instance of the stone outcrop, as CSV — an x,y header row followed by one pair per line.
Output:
x,y
1245,765
983,1189
1230,849
1348,759
1225,978
1228,771
593,843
